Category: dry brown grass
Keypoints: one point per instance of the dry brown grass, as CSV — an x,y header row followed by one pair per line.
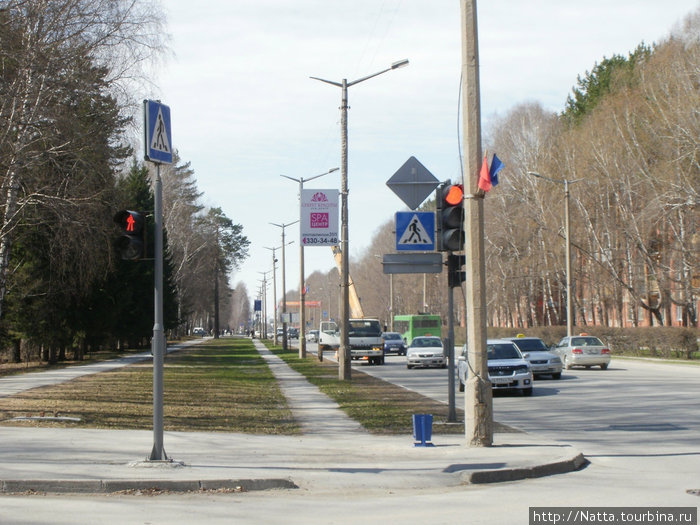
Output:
x,y
224,386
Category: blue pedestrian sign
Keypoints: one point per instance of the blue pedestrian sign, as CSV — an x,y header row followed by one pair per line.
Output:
x,y
415,231
159,139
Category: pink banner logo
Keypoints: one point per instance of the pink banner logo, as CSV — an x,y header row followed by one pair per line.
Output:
x,y
319,220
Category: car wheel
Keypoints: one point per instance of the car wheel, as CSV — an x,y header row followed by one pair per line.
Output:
x,y
556,376
409,366
527,391
461,386
604,366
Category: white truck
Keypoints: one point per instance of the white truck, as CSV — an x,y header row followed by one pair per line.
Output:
x,y
365,339
328,336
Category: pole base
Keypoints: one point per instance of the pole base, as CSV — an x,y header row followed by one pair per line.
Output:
x,y
158,455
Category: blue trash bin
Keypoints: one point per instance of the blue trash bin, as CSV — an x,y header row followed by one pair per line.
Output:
x,y
423,429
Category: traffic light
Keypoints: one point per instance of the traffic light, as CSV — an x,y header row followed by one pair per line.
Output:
x,y
455,275
450,217
131,244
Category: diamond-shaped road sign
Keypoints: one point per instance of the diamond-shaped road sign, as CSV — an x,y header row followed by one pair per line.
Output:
x,y
412,183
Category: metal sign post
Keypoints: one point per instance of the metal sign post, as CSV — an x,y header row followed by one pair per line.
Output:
x,y
158,150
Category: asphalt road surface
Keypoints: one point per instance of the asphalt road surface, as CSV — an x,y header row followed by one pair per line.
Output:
x,y
637,422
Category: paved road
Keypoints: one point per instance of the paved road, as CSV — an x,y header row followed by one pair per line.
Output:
x,y
637,422
585,407
635,403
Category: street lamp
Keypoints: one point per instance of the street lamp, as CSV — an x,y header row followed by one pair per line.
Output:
x,y
567,232
284,288
343,351
302,314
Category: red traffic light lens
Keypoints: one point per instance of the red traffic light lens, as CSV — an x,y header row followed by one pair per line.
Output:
x,y
454,195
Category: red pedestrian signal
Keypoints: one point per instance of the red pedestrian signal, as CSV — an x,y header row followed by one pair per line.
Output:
x,y
131,244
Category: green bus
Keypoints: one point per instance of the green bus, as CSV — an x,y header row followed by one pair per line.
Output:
x,y
410,326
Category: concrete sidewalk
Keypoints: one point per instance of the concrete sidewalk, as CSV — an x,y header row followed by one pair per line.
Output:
x,y
334,453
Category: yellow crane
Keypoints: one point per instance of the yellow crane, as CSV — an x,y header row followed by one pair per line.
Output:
x,y
356,311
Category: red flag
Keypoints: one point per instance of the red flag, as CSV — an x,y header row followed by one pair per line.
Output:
x,y
484,176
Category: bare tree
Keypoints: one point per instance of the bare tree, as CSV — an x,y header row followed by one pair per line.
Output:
x,y
46,45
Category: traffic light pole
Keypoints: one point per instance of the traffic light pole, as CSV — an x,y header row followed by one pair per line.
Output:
x,y
158,344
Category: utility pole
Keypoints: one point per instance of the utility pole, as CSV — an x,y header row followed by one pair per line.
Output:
x,y
344,357
478,403
302,313
284,287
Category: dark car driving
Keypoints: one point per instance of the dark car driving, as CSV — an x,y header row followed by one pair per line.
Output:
x,y
393,343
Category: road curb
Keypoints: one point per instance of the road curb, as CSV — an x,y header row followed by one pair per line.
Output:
x,y
517,474
89,486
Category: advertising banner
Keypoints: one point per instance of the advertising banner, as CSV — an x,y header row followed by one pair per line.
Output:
x,y
319,218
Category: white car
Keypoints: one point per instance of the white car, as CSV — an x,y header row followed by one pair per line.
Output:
x,y
583,350
425,351
542,361
508,370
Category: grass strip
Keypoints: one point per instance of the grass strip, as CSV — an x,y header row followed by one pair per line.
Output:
x,y
223,385
379,406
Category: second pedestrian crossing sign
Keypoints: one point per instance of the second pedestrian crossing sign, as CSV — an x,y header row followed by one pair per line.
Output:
x,y
415,230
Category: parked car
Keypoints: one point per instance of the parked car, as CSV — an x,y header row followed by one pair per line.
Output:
x,y
542,361
199,331
425,351
312,336
394,343
582,350
508,370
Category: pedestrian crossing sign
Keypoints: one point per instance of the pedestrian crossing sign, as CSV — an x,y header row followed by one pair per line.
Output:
x,y
415,231
159,138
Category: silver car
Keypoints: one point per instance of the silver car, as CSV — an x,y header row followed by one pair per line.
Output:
x,y
508,370
425,351
542,361
582,350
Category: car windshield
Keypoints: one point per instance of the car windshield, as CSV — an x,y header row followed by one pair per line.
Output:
x,y
502,351
531,345
390,335
586,341
425,342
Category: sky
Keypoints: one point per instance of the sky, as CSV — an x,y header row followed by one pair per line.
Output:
x,y
245,111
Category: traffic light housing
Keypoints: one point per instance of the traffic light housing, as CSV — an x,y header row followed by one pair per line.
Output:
x,y
455,275
131,244
450,217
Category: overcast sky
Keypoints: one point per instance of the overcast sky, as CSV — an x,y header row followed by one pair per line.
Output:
x,y
244,110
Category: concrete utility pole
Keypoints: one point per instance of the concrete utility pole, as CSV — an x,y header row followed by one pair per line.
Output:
x,y
478,403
